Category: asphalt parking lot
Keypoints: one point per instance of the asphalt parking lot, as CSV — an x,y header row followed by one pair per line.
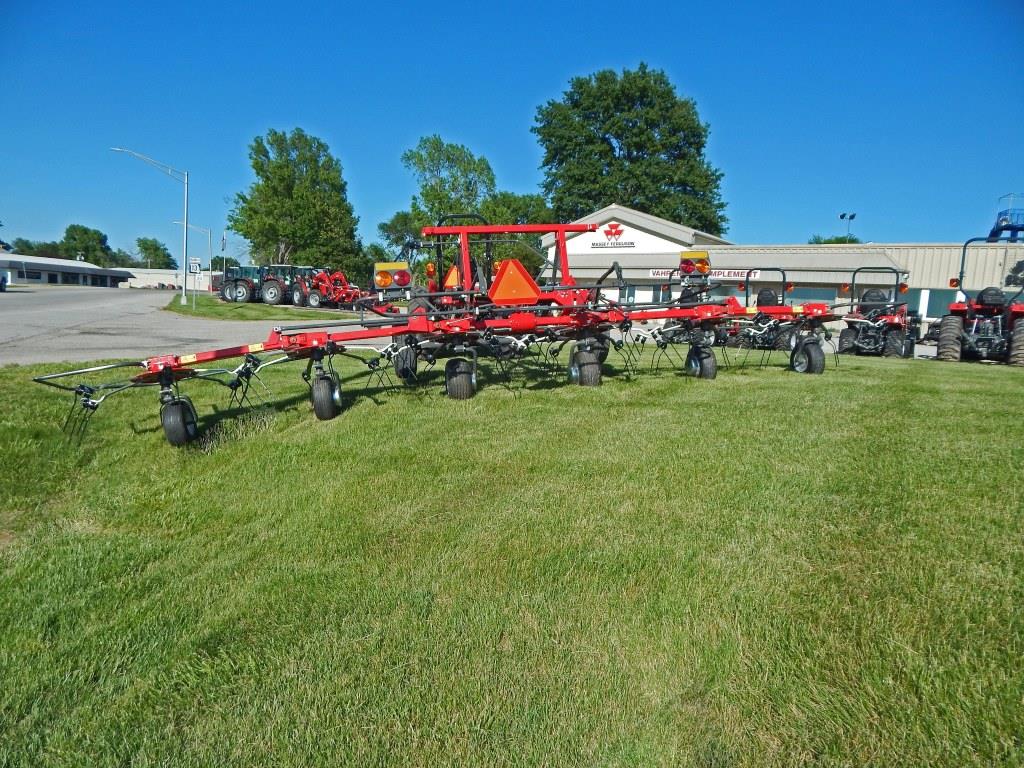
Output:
x,y
43,324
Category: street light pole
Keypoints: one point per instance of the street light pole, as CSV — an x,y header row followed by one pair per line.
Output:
x,y
209,249
178,175
849,217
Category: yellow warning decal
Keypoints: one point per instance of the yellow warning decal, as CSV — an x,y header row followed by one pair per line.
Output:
x,y
256,347
186,359
798,307
389,265
752,310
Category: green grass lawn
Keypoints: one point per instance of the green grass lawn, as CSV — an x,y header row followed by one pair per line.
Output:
x,y
208,305
765,569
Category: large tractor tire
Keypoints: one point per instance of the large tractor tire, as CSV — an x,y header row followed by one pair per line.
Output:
x,y
298,297
951,329
227,291
315,299
808,357
459,379
405,365
585,368
1017,343
243,292
701,363
178,418
325,394
847,341
785,341
272,292
895,341
909,346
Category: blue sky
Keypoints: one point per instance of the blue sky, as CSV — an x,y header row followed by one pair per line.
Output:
x,y
911,116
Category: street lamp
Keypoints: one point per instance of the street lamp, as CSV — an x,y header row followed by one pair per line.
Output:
x,y
209,248
182,176
849,217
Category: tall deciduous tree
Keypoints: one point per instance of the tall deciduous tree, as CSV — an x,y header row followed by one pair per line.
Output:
x,y
820,240
85,242
154,255
629,139
297,211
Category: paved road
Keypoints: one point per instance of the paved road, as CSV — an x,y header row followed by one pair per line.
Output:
x,y
42,324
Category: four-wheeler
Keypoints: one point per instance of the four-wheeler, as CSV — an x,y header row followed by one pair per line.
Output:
x,y
504,316
986,326
878,324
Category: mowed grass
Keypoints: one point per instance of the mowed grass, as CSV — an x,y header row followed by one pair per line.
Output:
x,y
211,306
765,569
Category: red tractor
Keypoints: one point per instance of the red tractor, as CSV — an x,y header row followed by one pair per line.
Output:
x,y
878,324
325,288
987,326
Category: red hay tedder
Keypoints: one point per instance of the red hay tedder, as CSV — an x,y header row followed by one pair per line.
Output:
x,y
485,306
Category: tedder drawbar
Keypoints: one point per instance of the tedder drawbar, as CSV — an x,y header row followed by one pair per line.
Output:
x,y
484,306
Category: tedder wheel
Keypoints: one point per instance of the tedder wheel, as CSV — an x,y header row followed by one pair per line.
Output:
x,y
271,292
298,299
243,292
459,379
951,329
701,362
601,345
895,341
1017,343
847,341
315,299
808,358
326,396
405,365
178,418
585,368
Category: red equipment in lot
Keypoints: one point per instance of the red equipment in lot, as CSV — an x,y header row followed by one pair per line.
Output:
x,y
987,326
501,314
879,324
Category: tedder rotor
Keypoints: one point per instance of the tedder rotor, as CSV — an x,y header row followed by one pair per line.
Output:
x,y
484,306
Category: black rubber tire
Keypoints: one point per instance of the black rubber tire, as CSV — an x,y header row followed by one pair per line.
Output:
x,y
272,292
418,306
951,329
847,341
459,381
701,363
178,419
1016,356
325,394
243,292
227,291
315,299
809,357
784,341
601,345
895,341
909,346
405,365
585,368
298,297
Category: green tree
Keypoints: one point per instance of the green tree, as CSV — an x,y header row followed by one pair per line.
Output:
x,y
85,242
629,139
297,211
46,250
819,240
451,179
154,255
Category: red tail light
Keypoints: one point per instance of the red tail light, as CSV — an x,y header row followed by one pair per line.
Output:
x,y
686,266
903,288
402,278
844,288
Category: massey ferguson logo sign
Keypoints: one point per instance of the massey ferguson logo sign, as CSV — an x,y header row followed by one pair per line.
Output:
x,y
613,237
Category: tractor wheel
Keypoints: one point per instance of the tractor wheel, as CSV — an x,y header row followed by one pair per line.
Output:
x,y
459,379
785,340
272,292
227,291
585,368
808,358
405,365
418,306
951,329
701,362
909,344
243,292
847,341
315,299
325,394
1017,343
895,342
298,298
178,418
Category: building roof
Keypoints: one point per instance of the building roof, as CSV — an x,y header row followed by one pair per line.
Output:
x,y
646,222
17,260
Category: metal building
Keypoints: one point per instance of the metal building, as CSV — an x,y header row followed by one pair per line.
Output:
x,y
38,270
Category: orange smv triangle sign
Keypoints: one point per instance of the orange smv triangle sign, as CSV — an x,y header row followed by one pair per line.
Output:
x,y
451,280
513,285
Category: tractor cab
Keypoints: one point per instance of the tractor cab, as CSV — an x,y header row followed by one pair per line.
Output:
x,y
877,322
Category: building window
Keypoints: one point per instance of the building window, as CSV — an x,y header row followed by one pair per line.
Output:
x,y
32,275
21,273
51,277
68,278
662,293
